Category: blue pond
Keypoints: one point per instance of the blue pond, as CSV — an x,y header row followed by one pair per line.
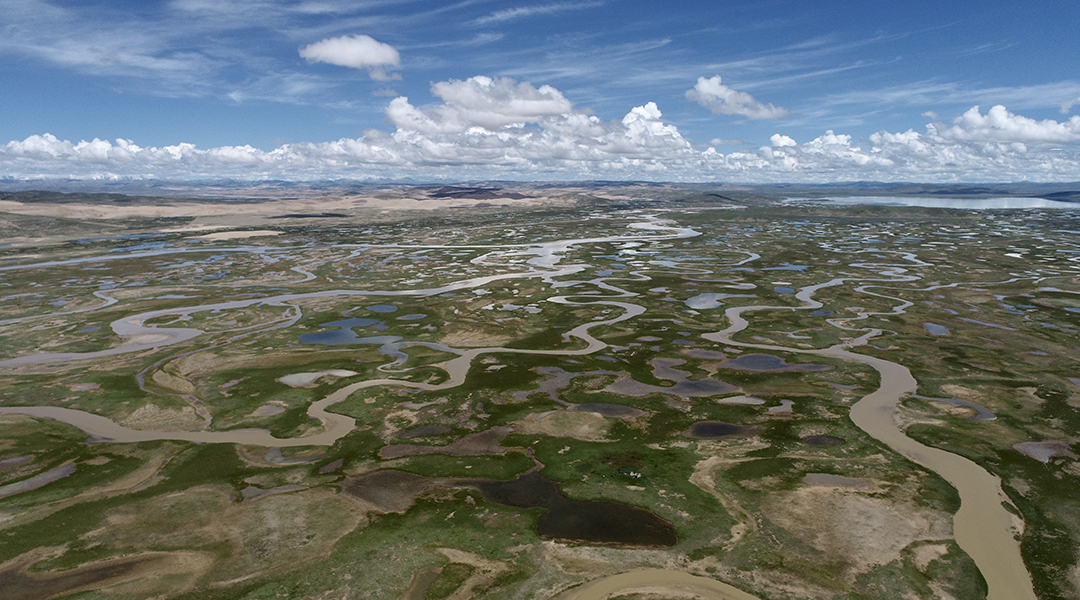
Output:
x,y
343,334
411,317
981,414
783,290
935,329
788,267
706,301
382,308
389,345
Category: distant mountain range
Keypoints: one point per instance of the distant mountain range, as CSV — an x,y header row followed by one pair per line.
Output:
x,y
237,191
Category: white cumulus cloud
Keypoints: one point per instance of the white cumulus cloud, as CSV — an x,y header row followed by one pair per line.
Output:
x,y
779,141
357,52
1000,125
479,102
724,100
488,128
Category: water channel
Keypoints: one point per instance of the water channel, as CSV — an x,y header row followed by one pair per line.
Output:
x,y
983,527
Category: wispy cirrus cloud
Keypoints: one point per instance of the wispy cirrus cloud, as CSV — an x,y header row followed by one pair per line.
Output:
x,y
521,12
102,46
195,48
935,92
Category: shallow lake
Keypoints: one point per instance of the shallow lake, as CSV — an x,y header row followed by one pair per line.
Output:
x,y
709,430
342,335
595,522
970,203
707,301
768,362
934,329
382,308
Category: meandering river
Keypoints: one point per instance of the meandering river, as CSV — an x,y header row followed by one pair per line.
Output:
x,y
983,527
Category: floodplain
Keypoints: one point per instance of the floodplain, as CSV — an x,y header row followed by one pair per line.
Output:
x,y
603,392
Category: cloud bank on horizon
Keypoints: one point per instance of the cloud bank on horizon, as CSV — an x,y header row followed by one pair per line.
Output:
x,y
504,129
557,105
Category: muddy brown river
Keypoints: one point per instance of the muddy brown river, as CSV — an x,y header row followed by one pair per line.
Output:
x,y
670,583
983,527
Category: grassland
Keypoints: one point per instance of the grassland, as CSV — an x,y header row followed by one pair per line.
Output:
x,y
768,510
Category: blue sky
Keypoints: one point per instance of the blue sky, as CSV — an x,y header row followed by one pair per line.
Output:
x,y
540,90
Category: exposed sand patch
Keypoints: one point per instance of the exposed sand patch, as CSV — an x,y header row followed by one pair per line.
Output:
x,y
964,412
464,338
269,410
928,553
84,387
172,382
146,338
236,235
584,426
150,417
306,379
861,530
749,400
278,533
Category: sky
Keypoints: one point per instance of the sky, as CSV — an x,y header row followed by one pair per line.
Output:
x,y
398,90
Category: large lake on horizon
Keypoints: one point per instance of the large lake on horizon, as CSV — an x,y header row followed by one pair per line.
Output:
x,y
970,203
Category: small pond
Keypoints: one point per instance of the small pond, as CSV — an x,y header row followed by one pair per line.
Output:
x,y
343,334
382,308
935,329
594,522
768,362
711,430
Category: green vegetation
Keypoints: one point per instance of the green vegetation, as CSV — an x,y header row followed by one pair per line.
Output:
x,y
792,499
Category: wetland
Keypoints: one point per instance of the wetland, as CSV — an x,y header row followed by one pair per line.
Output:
x,y
468,405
